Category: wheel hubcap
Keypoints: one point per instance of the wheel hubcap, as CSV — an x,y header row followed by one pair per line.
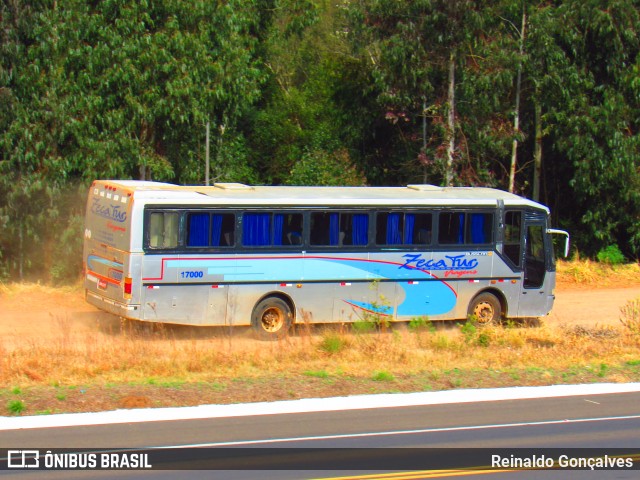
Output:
x,y
484,312
272,319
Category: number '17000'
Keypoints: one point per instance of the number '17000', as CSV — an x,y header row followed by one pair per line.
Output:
x,y
192,274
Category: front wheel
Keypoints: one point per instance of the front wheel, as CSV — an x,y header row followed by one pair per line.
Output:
x,y
271,318
485,309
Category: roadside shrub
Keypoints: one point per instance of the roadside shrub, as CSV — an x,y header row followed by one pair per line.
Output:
x,y
417,324
16,407
332,344
383,376
483,339
469,331
611,255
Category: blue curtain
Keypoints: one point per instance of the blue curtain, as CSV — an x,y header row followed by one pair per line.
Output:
x,y
198,230
461,229
359,234
255,229
334,229
409,224
477,228
393,229
278,222
216,229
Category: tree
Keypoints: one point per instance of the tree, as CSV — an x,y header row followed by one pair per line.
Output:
x,y
597,129
114,89
304,128
412,46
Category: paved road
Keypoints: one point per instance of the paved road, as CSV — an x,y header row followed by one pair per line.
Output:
x,y
583,421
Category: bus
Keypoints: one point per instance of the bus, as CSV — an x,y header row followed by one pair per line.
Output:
x,y
275,256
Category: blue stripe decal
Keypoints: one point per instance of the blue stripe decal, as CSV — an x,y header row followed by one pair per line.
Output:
x,y
92,260
425,298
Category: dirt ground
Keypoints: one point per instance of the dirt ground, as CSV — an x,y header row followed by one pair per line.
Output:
x,y
31,313
34,311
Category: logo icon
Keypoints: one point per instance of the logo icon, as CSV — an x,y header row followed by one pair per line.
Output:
x,y
23,459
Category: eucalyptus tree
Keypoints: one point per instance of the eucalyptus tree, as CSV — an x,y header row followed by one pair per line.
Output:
x,y
597,128
118,89
308,123
414,49
25,152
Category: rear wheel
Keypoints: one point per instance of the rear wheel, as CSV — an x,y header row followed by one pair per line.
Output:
x,y
485,309
271,318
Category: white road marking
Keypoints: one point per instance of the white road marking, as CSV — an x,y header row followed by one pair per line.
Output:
x,y
356,402
397,432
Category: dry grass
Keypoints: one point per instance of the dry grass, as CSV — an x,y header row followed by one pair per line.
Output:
x,y
136,368
588,273
85,367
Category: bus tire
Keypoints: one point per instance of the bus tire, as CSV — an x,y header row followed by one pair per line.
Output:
x,y
485,309
271,318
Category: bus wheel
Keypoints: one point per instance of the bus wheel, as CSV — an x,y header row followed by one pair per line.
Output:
x,y
485,309
271,318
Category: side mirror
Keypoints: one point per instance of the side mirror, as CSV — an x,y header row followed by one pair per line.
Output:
x,y
553,231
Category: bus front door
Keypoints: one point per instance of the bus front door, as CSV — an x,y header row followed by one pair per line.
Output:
x,y
535,289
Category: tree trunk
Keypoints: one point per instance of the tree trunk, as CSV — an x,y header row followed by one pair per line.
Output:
x,y
424,138
219,169
448,178
516,118
207,166
537,153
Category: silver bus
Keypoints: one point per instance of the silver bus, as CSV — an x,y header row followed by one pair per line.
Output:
x,y
269,256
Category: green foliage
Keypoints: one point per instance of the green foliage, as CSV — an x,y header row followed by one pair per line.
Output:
x,y
364,325
383,376
314,92
323,168
483,339
317,373
332,344
611,255
16,407
421,323
115,90
469,330
602,370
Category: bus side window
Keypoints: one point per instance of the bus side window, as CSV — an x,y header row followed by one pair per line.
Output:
x,y
325,228
479,228
163,230
418,228
344,228
354,229
271,229
226,223
290,228
256,229
465,228
512,236
199,231
396,228
210,229
389,226
451,228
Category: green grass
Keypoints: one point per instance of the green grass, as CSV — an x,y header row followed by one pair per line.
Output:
x,y
332,343
16,407
383,376
316,373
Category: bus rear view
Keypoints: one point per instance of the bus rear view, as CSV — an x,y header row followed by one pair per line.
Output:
x,y
107,253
